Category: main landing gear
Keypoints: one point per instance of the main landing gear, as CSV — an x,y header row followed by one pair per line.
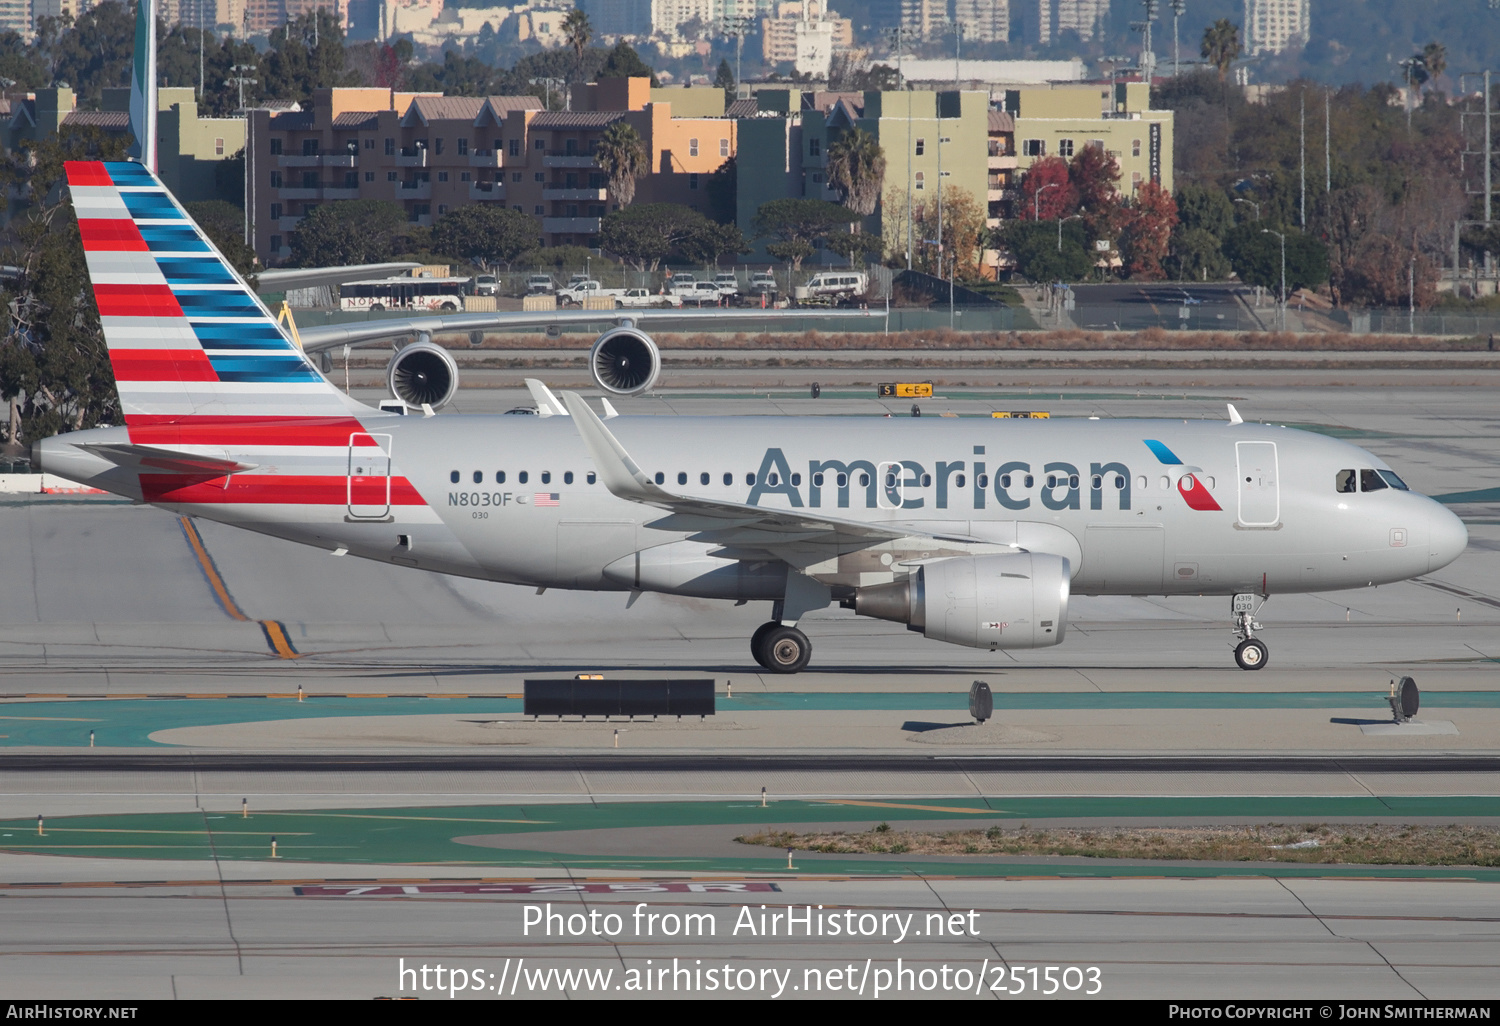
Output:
x,y
1251,653
779,648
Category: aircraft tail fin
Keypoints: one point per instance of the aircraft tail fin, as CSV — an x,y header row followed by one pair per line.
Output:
x,y
188,339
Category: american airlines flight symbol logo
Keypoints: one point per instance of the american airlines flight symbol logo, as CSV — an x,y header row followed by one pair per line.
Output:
x,y
1193,491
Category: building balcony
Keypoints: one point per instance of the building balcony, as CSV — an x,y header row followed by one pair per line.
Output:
x,y
570,225
486,191
414,191
588,195
288,224
341,193
486,158
299,194
1003,162
341,159
570,160
412,158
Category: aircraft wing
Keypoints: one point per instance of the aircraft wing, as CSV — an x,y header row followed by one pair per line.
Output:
x,y
149,458
731,524
318,339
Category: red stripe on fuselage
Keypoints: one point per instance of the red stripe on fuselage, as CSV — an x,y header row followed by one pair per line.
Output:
x,y
161,365
1197,496
176,429
272,489
136,301
86,172
110,235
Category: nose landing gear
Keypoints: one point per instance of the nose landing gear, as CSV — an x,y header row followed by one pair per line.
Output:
x,y
1251,653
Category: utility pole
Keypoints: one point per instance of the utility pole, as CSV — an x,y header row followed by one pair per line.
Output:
x,y
1302,161
200,51
1327,143
1179,8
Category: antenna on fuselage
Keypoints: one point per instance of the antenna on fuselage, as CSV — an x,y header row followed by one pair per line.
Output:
x,y
1234,415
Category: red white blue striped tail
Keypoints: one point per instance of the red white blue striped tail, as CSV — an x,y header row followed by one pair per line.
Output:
x,y
189,341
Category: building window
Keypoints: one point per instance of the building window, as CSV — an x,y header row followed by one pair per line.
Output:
x,y
693,182
218,147
275,243
814,147
499,147
1135,147
1135,179
817,178
309,147
442,209
693,147
275,211
519,210
442,176
438,146
921,146
390,176
463,176
723,147
463,146
370,143
515,147
390,147
1034,148
275,179
275,147
539,176
369,176
515,176
539,210
541,144
309,180
1065,147
920,183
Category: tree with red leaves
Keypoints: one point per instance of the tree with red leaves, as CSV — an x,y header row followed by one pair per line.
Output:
x,y
1094,175
1047,192
1147,235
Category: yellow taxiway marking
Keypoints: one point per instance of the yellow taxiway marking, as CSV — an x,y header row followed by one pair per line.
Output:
x,y
60,719
923,808
210,571
276,634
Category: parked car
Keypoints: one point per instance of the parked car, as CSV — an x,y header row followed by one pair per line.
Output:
x,y
642,298
832,286
536,284
763,283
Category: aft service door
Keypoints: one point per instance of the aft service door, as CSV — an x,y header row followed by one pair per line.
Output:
x,y
369,492
1260,495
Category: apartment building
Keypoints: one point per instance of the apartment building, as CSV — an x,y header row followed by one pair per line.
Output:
x,y
15,16
785,38
1277,25
433,153
1061,120
983,21
1055,17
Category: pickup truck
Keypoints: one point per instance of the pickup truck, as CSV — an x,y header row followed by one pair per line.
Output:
x,y
537,284
728,284
577,292
763,283
646,298
701,293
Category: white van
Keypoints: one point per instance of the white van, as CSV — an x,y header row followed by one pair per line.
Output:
x,y
830,285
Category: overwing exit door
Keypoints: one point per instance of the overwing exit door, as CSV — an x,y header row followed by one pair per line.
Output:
x,y
369,476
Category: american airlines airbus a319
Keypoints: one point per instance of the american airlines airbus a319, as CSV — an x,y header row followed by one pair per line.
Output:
x,y
969,531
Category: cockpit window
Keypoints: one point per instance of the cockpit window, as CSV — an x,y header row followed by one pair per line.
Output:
x,y
1343,481
1394,481
1369,481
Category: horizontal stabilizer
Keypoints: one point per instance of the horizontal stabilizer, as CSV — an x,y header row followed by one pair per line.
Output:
x,y
168,461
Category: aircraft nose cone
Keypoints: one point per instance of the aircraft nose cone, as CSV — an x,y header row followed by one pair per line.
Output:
x,y
1447,538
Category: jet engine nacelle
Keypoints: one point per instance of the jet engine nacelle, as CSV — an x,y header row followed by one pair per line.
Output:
x,y
423,373
624,361
1013,600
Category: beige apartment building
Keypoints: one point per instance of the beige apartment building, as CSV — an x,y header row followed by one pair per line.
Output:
x,y
1061,120
434,153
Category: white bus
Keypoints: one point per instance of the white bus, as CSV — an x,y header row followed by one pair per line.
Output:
x,y
433,295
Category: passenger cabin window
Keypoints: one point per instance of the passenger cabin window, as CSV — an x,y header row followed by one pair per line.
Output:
x,y
682,477
661,478
728,478
453,477
1343,482
499,477
591,479
546,477
479,477
703,478
522,477
567,477
1370,481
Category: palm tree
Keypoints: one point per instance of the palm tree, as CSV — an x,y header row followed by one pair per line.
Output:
x,y
856,165
1434,58
577,31
1221,45
622,156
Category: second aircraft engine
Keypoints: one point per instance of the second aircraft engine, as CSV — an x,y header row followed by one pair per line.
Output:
x,y
624,361
423,373
1011,600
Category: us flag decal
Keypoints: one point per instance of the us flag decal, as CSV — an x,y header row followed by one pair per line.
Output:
x,y
545,499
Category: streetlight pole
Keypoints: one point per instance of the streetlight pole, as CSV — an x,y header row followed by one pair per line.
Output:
x,y
1252,203
1179,8
1036,197
1060,220
1267,231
